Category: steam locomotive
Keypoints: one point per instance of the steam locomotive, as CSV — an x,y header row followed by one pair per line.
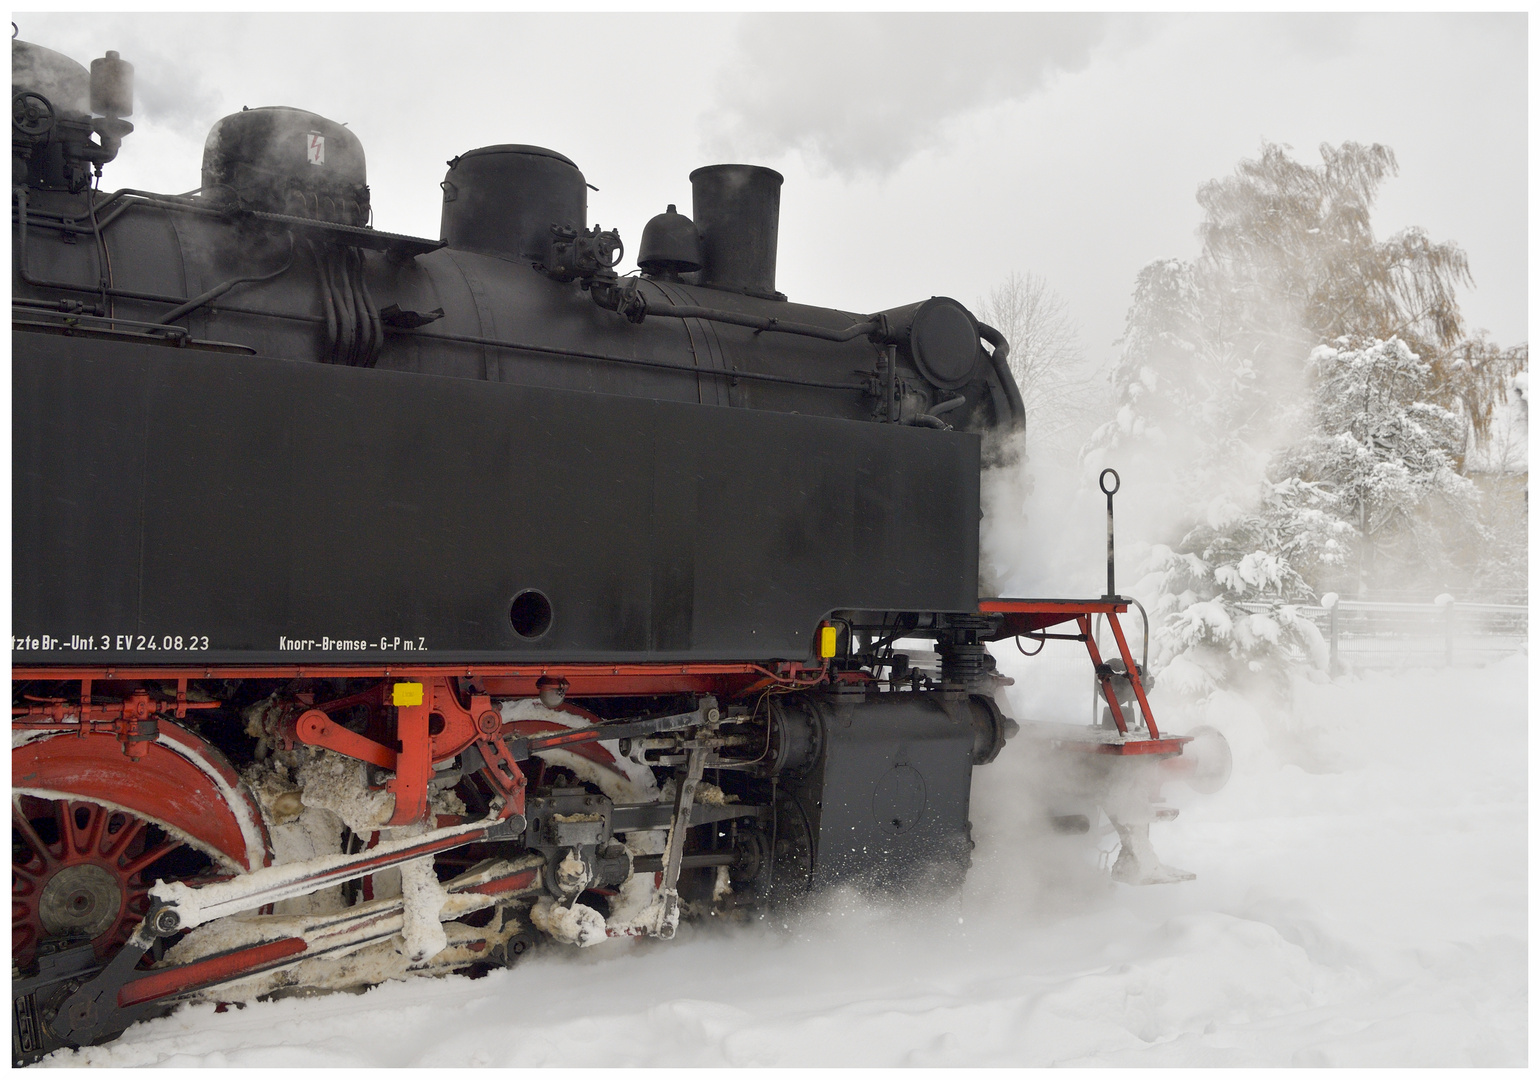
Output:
x,y
390,605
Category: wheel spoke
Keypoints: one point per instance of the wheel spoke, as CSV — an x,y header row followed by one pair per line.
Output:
x,y
96,827
20,823
64,814
125,837
138,864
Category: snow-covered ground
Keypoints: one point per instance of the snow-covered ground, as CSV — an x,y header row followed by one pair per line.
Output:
x,y
1361,900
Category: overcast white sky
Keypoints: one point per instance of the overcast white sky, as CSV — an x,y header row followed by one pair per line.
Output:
x,y
923,154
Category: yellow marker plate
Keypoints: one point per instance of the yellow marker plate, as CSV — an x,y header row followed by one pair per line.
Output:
x,y
406,693
828,641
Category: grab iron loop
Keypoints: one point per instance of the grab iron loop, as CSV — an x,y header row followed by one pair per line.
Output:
x,y
1145,666
1041,642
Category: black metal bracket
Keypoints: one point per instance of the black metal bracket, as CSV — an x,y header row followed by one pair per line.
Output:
x,y
60,1007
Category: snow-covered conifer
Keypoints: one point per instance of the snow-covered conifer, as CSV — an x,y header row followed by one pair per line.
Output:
x,y
1301,399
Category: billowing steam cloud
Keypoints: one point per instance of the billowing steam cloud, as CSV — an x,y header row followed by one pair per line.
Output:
x,y
174,93
863,93
175,89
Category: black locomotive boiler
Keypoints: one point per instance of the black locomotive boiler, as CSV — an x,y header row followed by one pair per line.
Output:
x,y
385,604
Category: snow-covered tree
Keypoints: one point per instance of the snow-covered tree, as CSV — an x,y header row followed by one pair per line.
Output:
x,y
1283,466
1482,377
1499,466
1386,454
1220,611
1289,261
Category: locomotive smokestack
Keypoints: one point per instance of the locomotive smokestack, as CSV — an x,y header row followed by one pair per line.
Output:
x,y
738,211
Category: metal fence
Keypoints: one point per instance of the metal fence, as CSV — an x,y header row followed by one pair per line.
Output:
x,y
1392,633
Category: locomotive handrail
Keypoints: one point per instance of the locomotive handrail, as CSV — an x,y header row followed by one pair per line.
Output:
x,y
353,235
44,308
470,339
103,290
766,323
105,326
151,198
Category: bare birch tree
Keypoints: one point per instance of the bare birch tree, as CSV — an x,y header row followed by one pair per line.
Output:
x,y
1045,357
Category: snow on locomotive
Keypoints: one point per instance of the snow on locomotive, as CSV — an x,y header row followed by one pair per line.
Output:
x,y
385,605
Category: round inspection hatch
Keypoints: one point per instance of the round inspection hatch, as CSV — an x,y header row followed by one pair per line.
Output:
x,y
944,341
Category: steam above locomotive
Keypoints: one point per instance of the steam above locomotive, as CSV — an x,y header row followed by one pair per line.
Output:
x,y
392,605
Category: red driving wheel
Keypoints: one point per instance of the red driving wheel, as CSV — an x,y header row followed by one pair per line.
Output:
x,y
83,869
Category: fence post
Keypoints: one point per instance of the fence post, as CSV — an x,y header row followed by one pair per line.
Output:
x,y
1445,601
1329,602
